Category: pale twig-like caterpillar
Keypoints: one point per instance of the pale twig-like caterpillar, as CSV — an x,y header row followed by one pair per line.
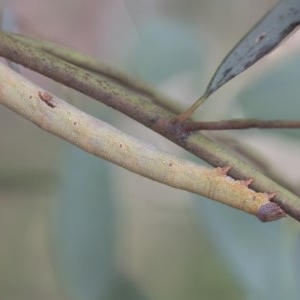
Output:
x,y
101,139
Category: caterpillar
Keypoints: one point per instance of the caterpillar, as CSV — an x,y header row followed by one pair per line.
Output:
x,y
105,141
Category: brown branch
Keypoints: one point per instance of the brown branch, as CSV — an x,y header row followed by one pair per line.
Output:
x,y
145,111
241,124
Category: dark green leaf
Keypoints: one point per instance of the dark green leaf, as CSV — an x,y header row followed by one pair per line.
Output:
x,y
262,39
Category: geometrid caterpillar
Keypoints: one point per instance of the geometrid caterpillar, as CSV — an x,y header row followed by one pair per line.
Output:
x,y
237,194
103,140
212,183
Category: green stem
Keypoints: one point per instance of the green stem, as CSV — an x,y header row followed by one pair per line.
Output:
x,y
91,64
189,112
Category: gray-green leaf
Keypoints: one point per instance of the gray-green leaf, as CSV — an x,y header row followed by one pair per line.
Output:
x,y
262,39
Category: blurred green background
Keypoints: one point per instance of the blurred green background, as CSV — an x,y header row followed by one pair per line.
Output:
x,y
75,227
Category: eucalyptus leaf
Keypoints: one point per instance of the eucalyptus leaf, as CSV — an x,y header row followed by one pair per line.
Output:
x,y
261,40
83,227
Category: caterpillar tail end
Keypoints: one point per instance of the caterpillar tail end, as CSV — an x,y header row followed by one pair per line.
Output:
x,y
270,211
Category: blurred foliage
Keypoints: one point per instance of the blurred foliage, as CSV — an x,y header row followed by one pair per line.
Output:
x,y
110,238
261,257
274,95
178,51
83,226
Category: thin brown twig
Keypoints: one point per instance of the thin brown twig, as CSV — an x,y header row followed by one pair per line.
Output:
x,y
241,124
